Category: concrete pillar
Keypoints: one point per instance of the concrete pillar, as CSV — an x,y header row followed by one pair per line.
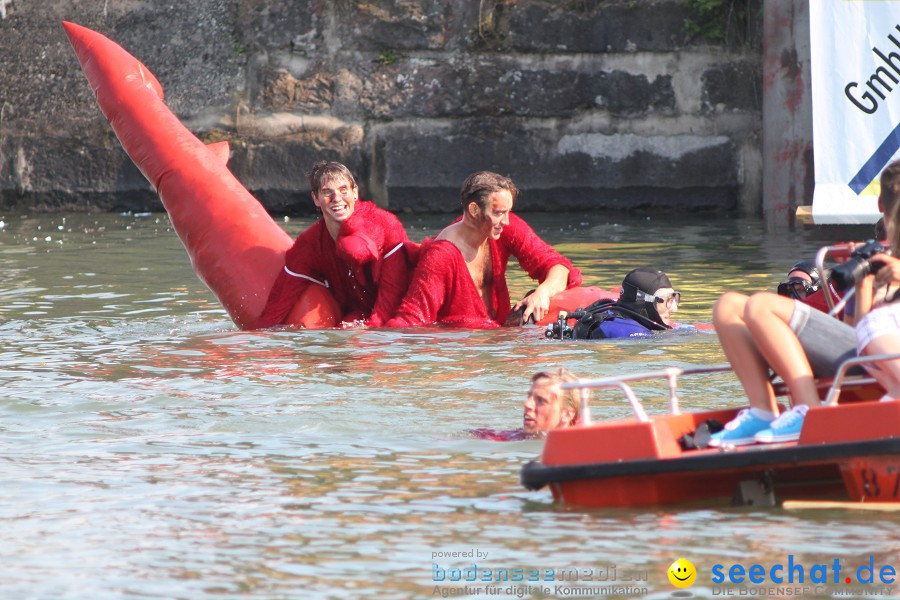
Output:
x,y
788,174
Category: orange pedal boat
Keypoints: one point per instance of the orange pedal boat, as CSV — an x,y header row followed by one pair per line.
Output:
x,y
848,450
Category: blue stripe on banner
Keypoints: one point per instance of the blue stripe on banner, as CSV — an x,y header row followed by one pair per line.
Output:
x,y
876,162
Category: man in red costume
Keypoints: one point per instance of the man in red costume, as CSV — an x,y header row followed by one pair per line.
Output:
x,y
356,250
460,279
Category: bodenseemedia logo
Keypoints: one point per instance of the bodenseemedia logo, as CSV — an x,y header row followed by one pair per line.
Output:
x,y
595,581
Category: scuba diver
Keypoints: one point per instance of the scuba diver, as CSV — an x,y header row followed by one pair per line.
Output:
x,y
803,284
802,281
645,305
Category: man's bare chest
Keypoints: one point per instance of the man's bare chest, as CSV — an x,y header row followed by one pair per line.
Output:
x,y
480,269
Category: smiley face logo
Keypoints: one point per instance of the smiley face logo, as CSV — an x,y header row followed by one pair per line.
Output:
x,y
682,573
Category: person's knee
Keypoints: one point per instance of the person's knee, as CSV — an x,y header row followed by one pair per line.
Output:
x,y
762,306
728,307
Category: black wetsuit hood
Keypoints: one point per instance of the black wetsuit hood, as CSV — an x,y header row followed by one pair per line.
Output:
x,y
808,267
648,281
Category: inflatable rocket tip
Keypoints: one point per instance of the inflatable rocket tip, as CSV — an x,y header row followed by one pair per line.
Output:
x,y
97,53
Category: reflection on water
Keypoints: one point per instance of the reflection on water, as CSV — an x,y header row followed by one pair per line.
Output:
x,y
150,449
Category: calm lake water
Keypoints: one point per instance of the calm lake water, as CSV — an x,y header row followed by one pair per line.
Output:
x,y
149,449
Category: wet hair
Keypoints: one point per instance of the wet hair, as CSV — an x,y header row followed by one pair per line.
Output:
x,y
324,170
648,281
479,186
568,398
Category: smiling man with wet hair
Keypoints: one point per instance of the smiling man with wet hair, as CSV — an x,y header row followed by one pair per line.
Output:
x,y
356,250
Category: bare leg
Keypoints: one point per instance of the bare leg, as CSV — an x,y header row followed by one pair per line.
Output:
x,y
741,350
768,316
887,372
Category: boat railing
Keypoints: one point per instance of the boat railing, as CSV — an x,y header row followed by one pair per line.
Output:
x,y
621,381
672,374
834,392
823,274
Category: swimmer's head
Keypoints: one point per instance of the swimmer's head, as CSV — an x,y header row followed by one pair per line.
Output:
x,y
548,406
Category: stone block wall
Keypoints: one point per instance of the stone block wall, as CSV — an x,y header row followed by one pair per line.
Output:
x,y
587,104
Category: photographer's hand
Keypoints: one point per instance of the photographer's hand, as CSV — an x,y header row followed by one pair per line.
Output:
x,y
889,273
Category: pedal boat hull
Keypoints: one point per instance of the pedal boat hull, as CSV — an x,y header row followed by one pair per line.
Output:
x,y
849,451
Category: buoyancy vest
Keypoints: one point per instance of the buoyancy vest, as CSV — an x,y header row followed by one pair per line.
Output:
x,y
607,319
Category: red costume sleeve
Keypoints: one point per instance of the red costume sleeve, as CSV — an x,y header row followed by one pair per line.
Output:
x,y
374,235
361,238
394,281
287,287
282,298
428,289
535,255
441,290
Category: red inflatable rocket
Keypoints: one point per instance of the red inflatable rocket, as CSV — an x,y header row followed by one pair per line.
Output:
x,y
235,246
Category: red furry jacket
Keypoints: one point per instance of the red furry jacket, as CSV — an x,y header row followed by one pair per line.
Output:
x,y
442,290
366,268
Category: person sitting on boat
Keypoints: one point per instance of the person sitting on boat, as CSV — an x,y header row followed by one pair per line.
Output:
x,y
460,278
356,250
547,407
645,305
766,331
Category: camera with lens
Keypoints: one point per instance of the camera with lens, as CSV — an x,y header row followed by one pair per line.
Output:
x,y
858,265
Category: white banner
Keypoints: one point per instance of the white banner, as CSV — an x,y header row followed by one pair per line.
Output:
x,y
855,67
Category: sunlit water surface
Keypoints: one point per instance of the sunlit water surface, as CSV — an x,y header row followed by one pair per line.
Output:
x,y
151,450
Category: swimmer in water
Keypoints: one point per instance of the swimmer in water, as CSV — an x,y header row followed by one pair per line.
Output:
x,y
546,407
